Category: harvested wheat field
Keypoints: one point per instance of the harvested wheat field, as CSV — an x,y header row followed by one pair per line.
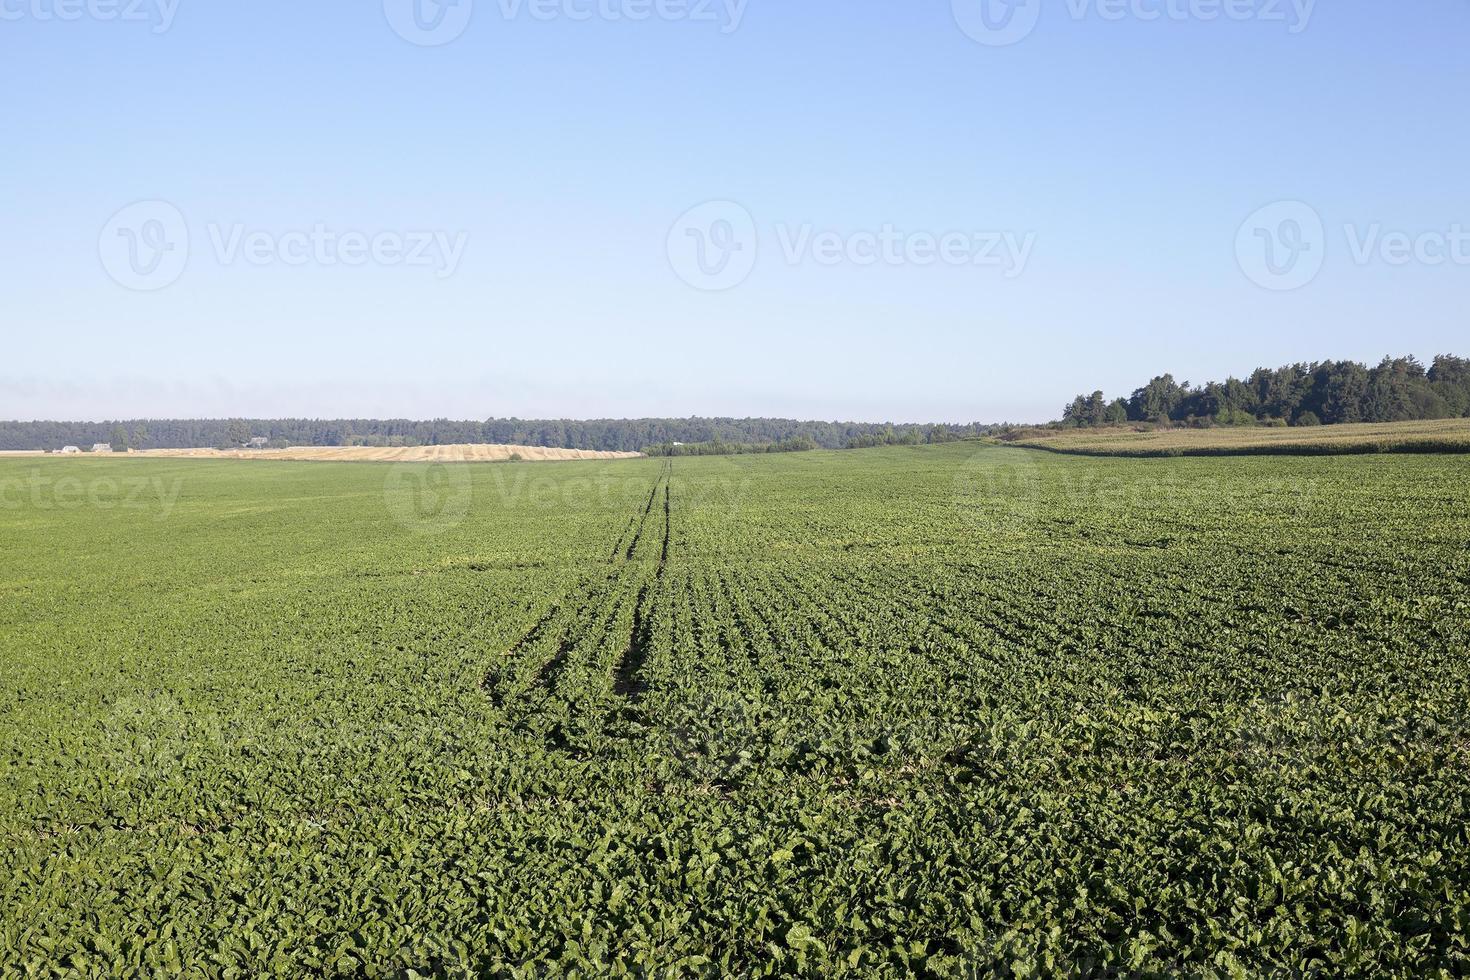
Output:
x,y
402,454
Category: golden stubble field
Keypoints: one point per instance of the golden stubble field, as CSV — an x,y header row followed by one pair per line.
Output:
x,y
371,454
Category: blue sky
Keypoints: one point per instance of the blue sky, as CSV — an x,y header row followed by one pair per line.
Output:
x,y
552,152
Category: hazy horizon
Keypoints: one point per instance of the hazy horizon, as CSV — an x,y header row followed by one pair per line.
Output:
x,y
332,414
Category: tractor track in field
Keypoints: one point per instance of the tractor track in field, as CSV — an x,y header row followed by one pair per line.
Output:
x,y
628,681
618,546
491,684
597,609
581,622
593,618
662,480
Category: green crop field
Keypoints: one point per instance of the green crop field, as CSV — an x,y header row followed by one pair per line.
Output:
x,y
958,711
1426,436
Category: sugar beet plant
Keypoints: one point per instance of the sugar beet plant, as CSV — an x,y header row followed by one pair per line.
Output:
x,y
950,712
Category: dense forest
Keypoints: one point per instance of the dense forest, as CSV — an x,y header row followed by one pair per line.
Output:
x,y
1325,393
620,435
872,435
718,448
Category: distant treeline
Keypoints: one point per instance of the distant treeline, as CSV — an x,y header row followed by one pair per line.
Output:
x,y
616,435
797,445
1321,393
887,435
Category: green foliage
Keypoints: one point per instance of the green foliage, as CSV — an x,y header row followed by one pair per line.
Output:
x,y
913,435
1236,416
949,712
798,444
1333,392
238,433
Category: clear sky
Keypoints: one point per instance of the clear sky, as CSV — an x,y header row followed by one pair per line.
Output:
x,y
522,174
